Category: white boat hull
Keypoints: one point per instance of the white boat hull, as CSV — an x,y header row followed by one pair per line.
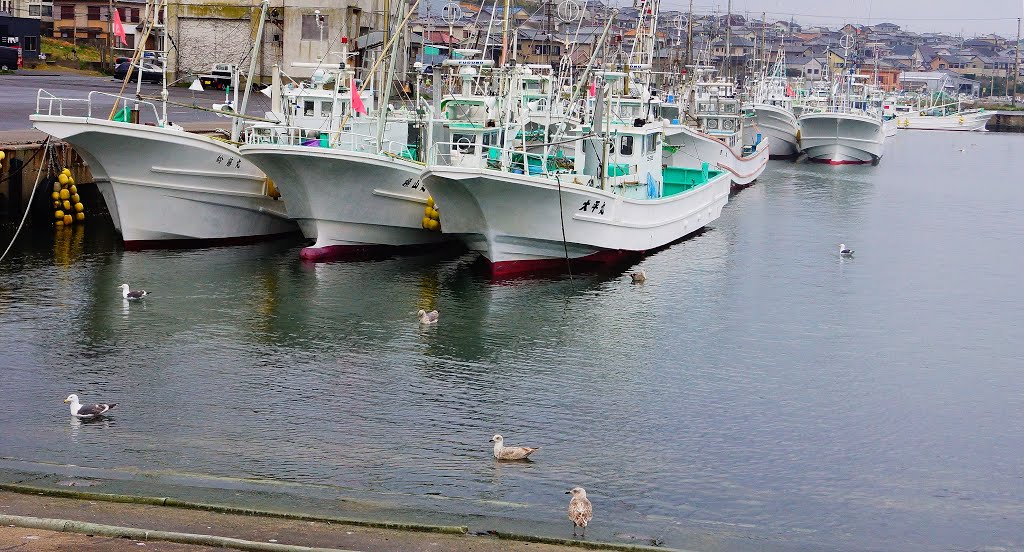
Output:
x,y
517,222
349,202
778,126
842,138
891,126
165,185
692,148
962,123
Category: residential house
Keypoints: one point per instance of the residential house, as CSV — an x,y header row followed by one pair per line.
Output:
x,y
21,33
809,68
40,10
888,75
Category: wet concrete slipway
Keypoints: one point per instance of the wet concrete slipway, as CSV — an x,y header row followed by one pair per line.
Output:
x,y
757,393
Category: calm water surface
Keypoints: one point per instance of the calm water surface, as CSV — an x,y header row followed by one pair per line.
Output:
x,y
757,393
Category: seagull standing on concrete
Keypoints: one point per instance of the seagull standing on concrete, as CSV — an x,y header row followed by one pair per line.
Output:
x,y
132,295
501,452
580,510
87,411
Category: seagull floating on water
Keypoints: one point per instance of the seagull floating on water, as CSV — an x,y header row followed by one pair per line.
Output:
x,y
639,277
580,509
131,294
428,317
501,452
87,411
844,252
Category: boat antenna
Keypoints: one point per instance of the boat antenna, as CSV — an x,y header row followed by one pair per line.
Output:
x,y
236,123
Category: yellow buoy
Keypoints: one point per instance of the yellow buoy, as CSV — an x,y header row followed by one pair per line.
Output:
x,y
64,194
430,201
427,210
59,214
3,154
426,223
68,219
74,189
435,225
56,186
56,205
60,223
79,207
75,198
66,171
79,216
71,180
63,179
55,196
67,205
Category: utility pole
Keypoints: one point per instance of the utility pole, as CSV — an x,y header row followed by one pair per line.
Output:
x,y
728,42
1016,65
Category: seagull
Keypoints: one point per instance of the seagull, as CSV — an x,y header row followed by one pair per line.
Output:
x,y
87,412
501,452
639,277
580,510
428,317
844,252
131,294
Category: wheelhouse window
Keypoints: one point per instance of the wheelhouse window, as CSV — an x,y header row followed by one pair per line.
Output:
x,y
626,145
650,141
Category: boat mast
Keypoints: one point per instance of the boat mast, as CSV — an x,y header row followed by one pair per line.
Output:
x,y
382,108
728,42
236,124
689,36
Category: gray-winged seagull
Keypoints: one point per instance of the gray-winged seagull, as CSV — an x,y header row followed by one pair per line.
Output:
x,y
428,317
501,452
131,295
87,411
580,509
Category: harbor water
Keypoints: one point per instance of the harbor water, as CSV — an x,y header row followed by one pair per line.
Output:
x,y
758,392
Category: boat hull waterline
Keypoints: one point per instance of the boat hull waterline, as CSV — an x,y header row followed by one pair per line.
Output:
x,y
517,222
169,188
350,203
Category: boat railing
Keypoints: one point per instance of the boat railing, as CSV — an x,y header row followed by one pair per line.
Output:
x,y
49,104
516,161
321,138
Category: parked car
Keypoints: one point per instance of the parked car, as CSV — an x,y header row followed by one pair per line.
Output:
x,y
148,73
8,58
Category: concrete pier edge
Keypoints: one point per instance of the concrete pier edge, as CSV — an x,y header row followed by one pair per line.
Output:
x,y
114,531
226,509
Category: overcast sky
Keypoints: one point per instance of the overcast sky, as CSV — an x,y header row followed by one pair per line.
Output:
x,y
972,17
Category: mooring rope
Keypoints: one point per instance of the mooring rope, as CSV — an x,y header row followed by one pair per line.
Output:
x,y
28,207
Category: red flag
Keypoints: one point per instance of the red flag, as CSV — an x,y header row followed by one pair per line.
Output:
x,y
357,101
119,29
593,88
789,91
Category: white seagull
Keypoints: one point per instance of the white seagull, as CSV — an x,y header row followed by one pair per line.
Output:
x,y
132,295
428,317
844,252
501,452
87,412
639,277
580,510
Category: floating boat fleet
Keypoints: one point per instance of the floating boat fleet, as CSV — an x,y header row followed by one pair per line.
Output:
x,y
532,166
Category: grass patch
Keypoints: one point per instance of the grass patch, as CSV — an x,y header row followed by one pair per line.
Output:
x,y
57,49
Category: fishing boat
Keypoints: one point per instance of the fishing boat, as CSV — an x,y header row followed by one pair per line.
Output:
x,y
164,186
353,182
717,136
772,106
849,130
596,195
939,112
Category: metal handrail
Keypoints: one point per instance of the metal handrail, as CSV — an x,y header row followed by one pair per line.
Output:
x,y
46,103
306,136
516,161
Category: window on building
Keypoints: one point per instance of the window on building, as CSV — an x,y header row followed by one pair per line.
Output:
x,y
5,6
31,44
135,16
47,10
67,11
311,26
33,10
94,13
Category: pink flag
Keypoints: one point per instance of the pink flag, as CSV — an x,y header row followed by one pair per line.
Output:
x,y
357,102
789,91
119,28
593,88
